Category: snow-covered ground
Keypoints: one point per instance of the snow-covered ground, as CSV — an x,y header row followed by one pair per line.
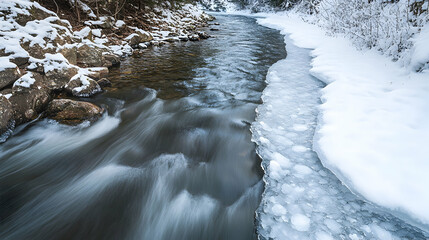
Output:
x,y
372,132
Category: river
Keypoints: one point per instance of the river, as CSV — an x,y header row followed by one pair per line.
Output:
x,y
172,158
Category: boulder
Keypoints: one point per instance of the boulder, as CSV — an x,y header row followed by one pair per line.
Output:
x,y
36,50
82,87
203,35
98,73
6,118
114,59
70,54
8,76
34,14
57,79
20,61
30,96
133,40
145,36
6,91
139,37
72,112
27,104
194,37
104,82
89,56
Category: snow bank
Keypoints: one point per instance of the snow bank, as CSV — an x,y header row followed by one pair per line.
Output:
x,y
373,124
420,51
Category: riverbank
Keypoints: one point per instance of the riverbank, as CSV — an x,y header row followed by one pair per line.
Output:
x,y
43,56
371,133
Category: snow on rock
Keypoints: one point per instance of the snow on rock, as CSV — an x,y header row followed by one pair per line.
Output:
x,y
372,132
81,85
119,23
25,81
5,63
96,32
84,32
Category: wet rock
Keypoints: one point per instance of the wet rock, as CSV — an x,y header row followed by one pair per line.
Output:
x,y
194,37
142,46
134,40
28,103
203,35
89,56
104,82
214,29
82,87
171,40
145,36
8,76
140,37
154,43
6,118
207,17
98,73
115,60
72,112
183,38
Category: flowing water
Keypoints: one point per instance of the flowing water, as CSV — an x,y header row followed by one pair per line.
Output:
x,y
171,159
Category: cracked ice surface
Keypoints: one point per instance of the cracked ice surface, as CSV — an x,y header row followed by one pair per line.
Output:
x,y
302,199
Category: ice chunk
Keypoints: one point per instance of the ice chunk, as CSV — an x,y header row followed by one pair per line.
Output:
x,y
300,222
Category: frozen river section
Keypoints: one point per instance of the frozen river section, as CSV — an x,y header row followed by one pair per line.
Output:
x,y
303,199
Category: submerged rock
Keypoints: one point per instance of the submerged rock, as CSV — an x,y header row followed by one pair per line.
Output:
x,y
73,112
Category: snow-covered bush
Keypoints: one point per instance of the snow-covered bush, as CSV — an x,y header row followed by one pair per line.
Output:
x,y
388,26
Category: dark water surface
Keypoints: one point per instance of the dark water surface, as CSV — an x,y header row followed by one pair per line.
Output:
x,y
172,159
